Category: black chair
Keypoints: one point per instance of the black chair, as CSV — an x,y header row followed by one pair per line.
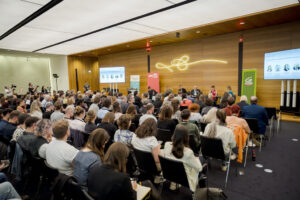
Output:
x,y
164,135
213,148
253,125
11,150
272,117
203,126
173,171
146,164
193,145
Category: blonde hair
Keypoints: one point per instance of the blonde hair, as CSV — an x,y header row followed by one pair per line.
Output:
x,y
90,116
35,106
109,118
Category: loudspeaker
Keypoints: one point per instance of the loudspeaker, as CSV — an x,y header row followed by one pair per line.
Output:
x,y
55,76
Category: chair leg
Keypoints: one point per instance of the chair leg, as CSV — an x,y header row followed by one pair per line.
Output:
x,y
227,173
246,154
260,142
278,122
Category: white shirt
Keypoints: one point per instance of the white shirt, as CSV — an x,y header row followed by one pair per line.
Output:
x,y
146,116
144,144
196,117
60,155
8,92
192,164
37,114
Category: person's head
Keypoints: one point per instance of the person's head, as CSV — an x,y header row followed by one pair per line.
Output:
x,y
21,103
147,128
158,97
171,97
130,98
131,110
49,107
229,88
6,113
146,95
185,114
116,108
44,128
150,108
223,103
194,108
61,129
124,122
221,116
209,101
165,113
253,100
235,109
13,117
116,156
30,123
175,105
97,140
180,139
244,98
35,107
79,112
21,119
90,116
135,93
57,106
69,111
97,99
109,117
231,100
106,103
212,87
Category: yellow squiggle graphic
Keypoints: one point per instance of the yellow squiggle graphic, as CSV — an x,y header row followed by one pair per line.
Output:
x,y
183,63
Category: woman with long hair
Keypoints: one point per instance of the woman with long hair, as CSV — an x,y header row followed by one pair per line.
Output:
x,y
116,108
90,121
165,120
179,150
176,112
107,124
218,129
110,181
35,109
135,118
92,154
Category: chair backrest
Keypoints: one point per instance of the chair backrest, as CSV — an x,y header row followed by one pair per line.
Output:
x,y
253,124
146,162
212,147
203,126
271,112
75,192
173,171
12,150
77,137
164,135
193,144
50,173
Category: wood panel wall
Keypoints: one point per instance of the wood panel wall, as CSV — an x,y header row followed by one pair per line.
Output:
x,y
83,65
222,47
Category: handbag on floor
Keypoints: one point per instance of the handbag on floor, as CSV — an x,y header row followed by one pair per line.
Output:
x,y
209,194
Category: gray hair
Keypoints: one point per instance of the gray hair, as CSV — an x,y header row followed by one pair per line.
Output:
x,y
244,98
42,127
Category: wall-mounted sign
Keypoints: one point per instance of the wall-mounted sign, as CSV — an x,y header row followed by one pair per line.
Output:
x,y
183,63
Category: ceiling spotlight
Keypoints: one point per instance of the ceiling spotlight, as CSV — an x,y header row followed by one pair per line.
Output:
x,y
90,71
177,34
198,32
242,23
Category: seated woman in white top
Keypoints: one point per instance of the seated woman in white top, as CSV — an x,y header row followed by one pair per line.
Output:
x,y
219,129
145,139
178,150
195,115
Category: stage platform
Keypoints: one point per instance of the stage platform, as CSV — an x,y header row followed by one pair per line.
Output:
x,y
290,117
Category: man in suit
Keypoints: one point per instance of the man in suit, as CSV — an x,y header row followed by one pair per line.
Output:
x,y
181,89
257,112
195,91
151,92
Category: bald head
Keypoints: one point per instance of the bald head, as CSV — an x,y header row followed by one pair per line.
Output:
x,y
253,100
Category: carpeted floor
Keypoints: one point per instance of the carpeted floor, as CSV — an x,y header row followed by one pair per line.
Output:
x,y
281,155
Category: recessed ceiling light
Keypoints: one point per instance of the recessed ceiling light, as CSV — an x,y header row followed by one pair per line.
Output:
x,y
241,23
197,31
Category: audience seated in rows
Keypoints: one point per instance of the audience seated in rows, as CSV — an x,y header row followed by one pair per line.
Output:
x,y
21,126
90,121
123,134
165,120
148,114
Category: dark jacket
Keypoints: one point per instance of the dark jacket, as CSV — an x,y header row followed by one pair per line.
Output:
x,y
110,128
47,114
8,131
31,143
89,127
242,104
259,113
107,184
167,124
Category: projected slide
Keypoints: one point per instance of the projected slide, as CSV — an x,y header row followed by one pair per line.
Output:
x,y
112,75
282,64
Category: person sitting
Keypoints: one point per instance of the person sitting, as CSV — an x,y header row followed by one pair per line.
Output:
x,y
257,112
158,102
116,109
95,105
43,131
234,120
104,109
108,124
179,150
165,120
195,115
21,106
143,109
195,92
149,114
209,105
57,114
49,110
5,118
89,156
109,180
123,134
135,118
9,129
243,102
192,128
145,140
213,93
176,112
25,140
229,90
124,105
21,127
35,110
77,127
181,89
69,112
219,130
185,101
59,153
90,121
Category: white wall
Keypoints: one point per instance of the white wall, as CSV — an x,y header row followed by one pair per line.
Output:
x,y
57,64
